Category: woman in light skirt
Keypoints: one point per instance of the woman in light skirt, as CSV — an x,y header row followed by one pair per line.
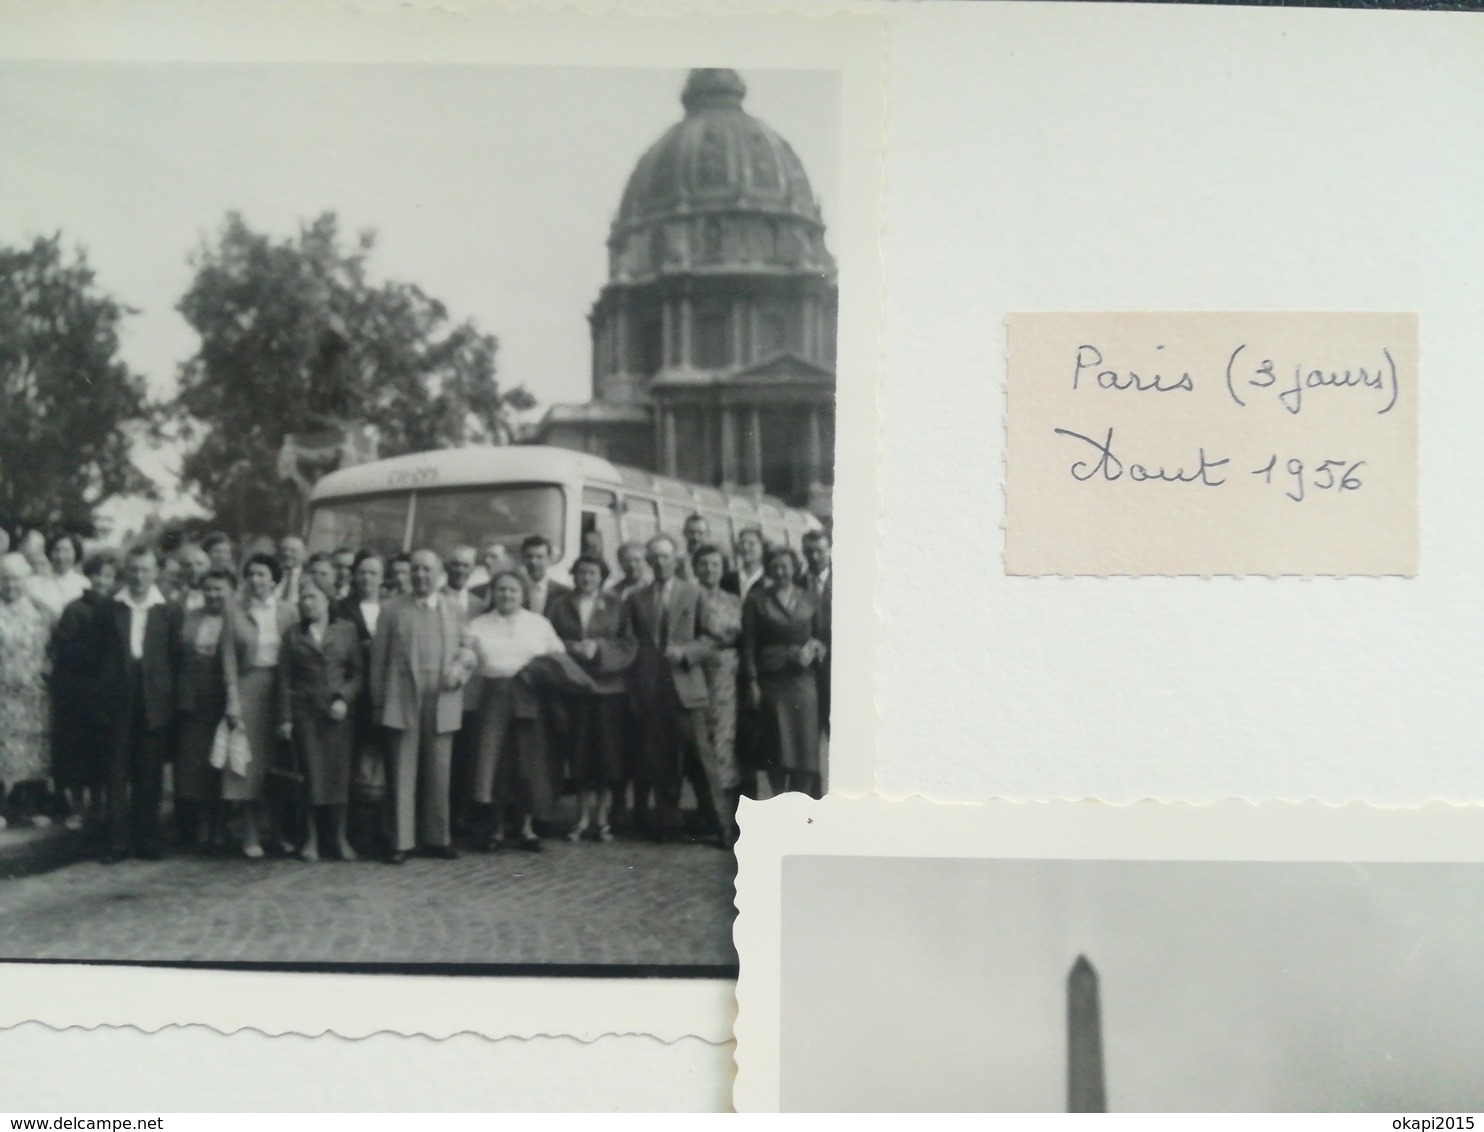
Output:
x,y
258,624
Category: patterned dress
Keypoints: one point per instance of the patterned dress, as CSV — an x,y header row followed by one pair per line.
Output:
x,y
721,620
25,710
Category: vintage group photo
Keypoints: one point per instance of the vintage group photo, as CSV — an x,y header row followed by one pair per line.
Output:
x,y
415,516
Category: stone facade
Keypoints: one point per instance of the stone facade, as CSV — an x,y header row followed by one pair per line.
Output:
x,y
713,342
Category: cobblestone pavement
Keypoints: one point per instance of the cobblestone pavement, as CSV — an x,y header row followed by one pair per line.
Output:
x,y
625,902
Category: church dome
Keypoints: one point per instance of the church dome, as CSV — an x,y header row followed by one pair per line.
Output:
x,y
719,189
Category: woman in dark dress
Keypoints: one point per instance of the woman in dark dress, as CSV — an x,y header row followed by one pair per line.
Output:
x,y
587,619
206,668
320,674
82,729
780,647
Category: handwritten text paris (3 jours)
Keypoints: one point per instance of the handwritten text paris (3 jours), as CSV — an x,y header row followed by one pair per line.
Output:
x,y
1246,370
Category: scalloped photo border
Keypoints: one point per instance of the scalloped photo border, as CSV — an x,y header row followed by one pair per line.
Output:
x,y
1233,831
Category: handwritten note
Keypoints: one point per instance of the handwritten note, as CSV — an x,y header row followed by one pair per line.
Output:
x,y
1212,444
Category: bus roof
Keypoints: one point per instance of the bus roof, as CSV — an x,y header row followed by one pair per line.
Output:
x,y
528,463
465,467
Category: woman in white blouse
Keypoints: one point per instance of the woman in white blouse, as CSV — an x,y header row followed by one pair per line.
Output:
x,y
511,778
64,583
258,624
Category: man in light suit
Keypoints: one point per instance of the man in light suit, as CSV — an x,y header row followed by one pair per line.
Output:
x,y
458,568
669,688
418,670
138,670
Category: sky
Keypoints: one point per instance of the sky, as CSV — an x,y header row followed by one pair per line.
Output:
x,y
940,984
490,187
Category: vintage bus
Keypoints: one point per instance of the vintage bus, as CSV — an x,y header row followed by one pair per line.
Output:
x,y
476,496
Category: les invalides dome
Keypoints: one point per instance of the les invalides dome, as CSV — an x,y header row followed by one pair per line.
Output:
x,y
714,337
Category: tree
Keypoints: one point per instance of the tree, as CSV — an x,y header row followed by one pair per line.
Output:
x,y
293,335
67,400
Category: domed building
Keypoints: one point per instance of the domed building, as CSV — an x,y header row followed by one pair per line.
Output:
x,y
713,341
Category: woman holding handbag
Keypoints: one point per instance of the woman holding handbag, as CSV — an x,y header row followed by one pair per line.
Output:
x,y
258,623
320,674
206,669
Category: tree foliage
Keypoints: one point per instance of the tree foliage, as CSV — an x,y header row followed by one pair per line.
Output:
x,y
293,334
67,401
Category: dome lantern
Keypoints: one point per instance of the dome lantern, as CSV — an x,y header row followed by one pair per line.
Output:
x,y
709,87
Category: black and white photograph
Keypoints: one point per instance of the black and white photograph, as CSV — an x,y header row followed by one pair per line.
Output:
x,y
917,956
1131,986
416,507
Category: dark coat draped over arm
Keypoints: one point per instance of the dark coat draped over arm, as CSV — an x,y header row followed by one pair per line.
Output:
x,y
616,652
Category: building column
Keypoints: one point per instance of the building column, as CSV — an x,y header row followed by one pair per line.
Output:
x,y
754,448
667,334
728,446
668,424
687,318
806,328
813,449
739,323
711,462
621,345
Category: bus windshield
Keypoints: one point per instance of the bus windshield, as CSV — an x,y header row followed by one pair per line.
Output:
x,y
478,516
443,519
366,522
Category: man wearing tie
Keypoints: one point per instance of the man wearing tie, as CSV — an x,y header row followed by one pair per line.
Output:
x,y
669,687
458,568
418,670
139,675
291,559
535,556
821,587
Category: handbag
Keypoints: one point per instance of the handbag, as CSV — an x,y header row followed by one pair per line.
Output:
x,y
229,749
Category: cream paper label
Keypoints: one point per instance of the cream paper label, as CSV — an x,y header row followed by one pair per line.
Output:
x,y
1205,443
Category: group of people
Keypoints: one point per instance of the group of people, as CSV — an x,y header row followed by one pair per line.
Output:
x,y
281,689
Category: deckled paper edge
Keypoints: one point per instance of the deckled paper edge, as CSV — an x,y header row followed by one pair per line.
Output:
x,y
65,996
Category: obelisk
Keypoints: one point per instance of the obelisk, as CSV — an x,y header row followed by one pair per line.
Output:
x,y
1085,1088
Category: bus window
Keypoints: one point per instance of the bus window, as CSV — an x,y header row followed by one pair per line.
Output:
x,y
372,522
672,520
600,523
478,516
771,520
641,519
796,528
719,526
